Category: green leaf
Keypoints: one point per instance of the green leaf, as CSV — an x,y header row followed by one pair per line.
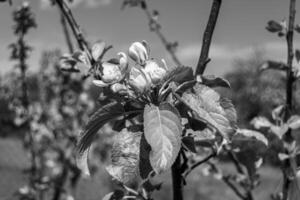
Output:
x,y
274,26
162,129
261,122
213,81
209,107
145,167
274,65
102,116
125,155
251,135
294,122
98,49
297,55
116,195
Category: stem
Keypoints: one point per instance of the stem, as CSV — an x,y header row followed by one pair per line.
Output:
x,y
207,36
66,33
177,179
226,180
190,169
289,94
82,43
161,36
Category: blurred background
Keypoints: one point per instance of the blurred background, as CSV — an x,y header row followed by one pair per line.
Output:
x,y
239,48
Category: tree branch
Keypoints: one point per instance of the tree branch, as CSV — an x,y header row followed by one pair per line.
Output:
x,y
191,168
207,36
157,29
289,95
177,179
66,33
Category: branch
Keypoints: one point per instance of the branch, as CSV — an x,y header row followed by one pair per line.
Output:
x,y
82,43
177,179
226,180
191,168
207,36
66,33
157,30
289,95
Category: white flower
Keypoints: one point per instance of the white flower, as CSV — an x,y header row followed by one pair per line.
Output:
x,y
139,52
139,80
155,72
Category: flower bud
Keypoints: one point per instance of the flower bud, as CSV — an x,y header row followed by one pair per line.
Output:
x,y
118,88
111,72
138,80
123,60
98,50
138,52
155,72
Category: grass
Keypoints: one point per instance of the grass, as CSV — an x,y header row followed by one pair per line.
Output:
x,y
13,161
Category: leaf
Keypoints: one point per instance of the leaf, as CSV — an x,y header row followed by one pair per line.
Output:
x,y
274,65
260,122
213,81
145,167
98,49
252,146
189,143
125,155
279,131
82,162
205,137
252,135
294,122
297,55
102,116
116,195
297,28
278,113
162,129
209,107
180,74
274,26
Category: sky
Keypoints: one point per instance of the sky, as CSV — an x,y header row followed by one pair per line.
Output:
x,y
239,31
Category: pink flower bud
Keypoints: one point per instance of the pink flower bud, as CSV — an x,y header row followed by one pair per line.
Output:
x,y
138,52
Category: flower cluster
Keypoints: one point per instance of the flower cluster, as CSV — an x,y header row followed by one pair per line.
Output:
x,y
140,77
121,76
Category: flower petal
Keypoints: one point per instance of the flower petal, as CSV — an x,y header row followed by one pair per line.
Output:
x,y
99,83
138,53
98,49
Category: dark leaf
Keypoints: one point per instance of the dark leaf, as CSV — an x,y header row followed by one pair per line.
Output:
x,y
274,65
213,81
274,26
297,54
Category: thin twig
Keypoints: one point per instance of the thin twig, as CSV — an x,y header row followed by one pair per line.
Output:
x,y
191,168
157,30
82,43
226,180
207,36
66,33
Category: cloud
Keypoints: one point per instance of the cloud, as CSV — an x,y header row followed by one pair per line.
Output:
x,y
45,4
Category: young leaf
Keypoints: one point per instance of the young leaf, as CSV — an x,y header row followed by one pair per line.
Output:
x,y
116,195
145,167
162,129
297,55
212,81
209,107
273,65
102,116
294,122
260,122
274,26
250,135
97,50
125,156
82,162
